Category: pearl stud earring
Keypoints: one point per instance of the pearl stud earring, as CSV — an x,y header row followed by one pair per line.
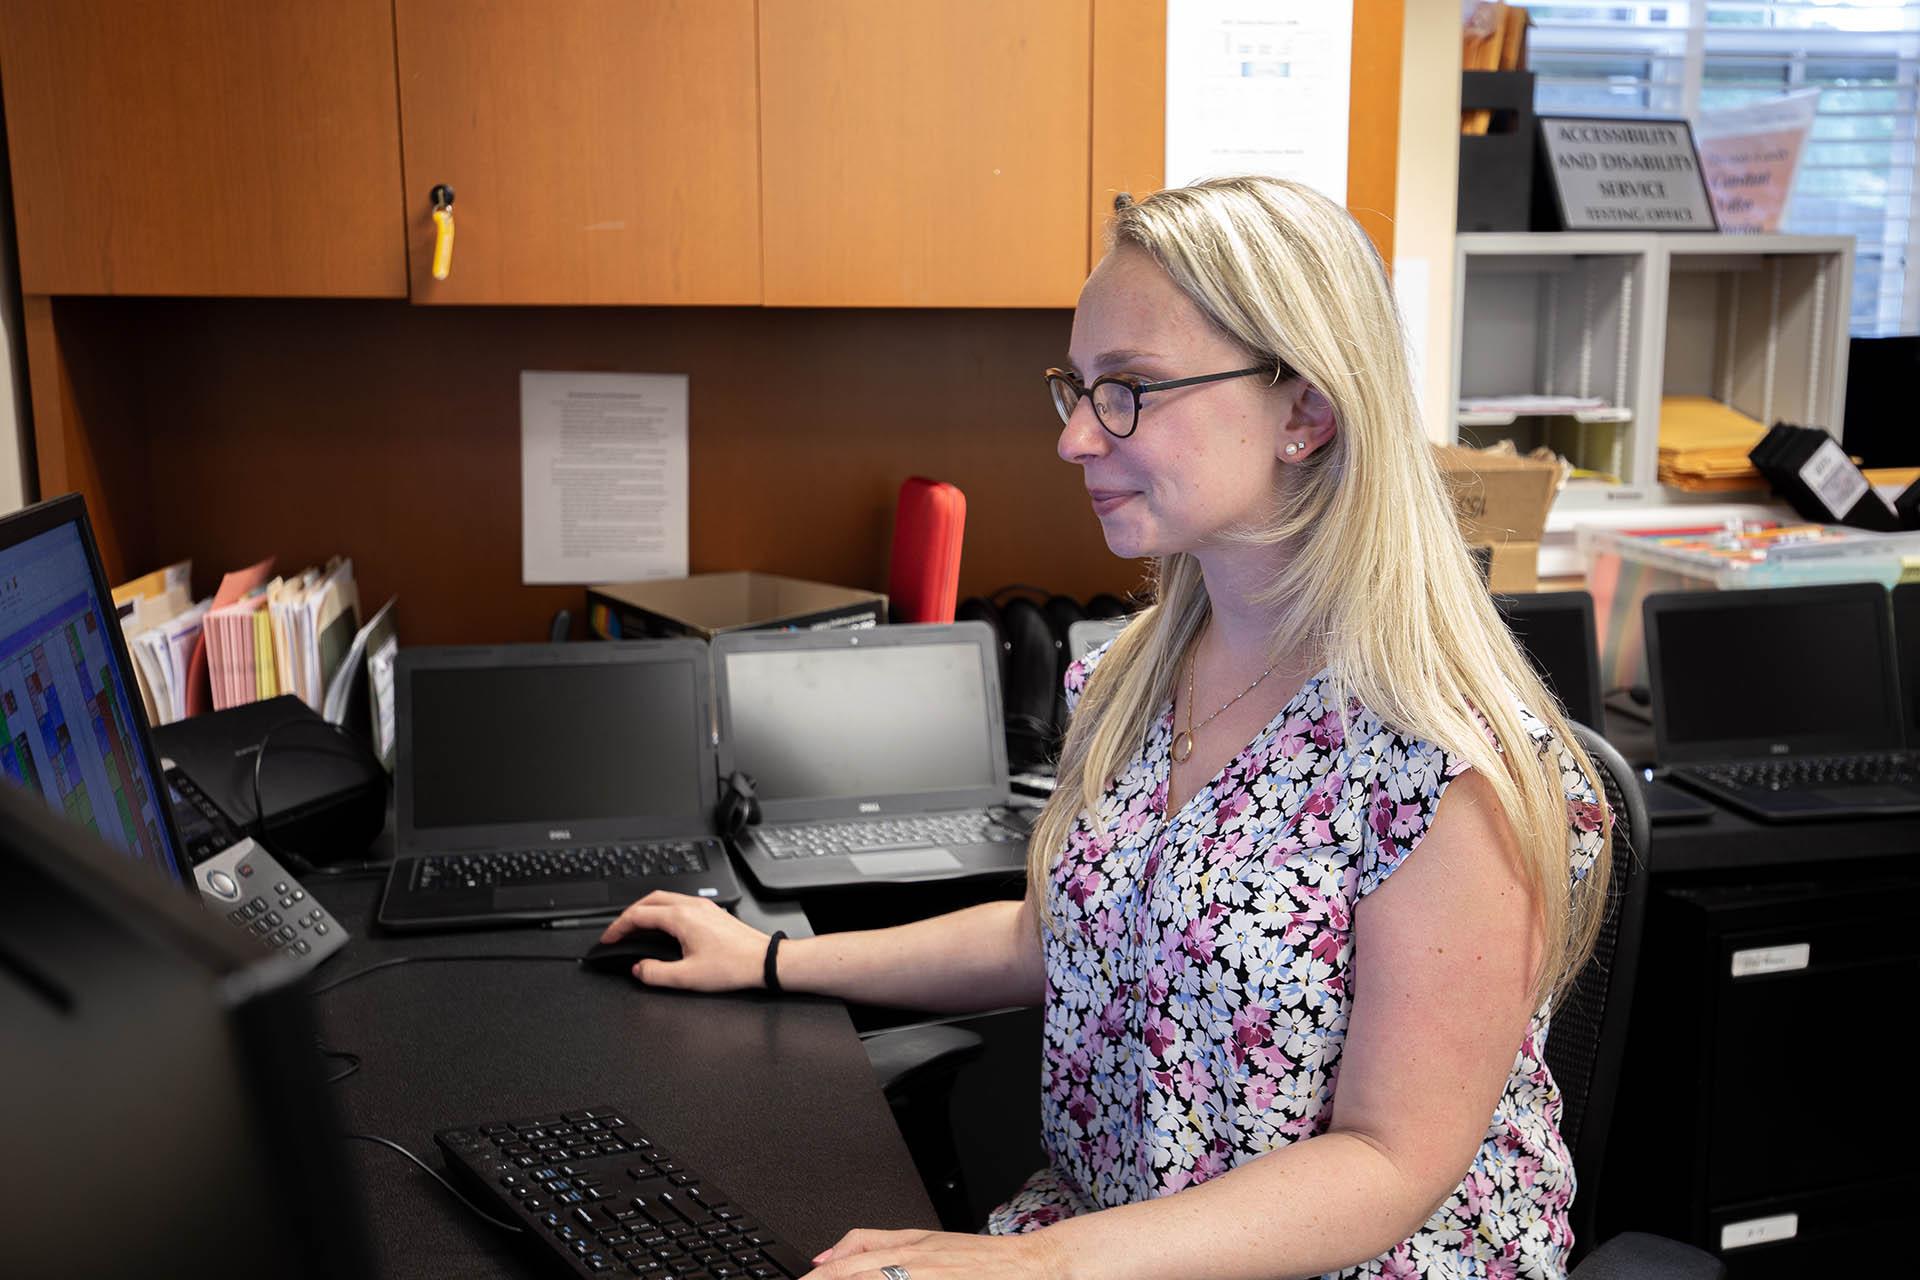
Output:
x,y
1295,447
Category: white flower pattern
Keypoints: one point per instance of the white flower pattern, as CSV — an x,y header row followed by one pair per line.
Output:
x,y
1198,971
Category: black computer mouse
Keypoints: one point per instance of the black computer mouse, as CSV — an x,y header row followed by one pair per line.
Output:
x,y
620,956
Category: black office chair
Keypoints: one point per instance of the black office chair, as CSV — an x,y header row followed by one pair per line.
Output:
x,y
916,1067
1588,1039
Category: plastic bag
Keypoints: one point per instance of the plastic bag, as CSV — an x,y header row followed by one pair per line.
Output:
x,y
1749,155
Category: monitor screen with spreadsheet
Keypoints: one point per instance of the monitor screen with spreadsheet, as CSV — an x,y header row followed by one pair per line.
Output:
x,y
72,728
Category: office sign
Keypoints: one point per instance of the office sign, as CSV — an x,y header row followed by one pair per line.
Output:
x,y
1626,175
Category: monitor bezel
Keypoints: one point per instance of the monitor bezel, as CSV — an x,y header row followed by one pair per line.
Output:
x,y
550,833
975,634
71,508
1889,734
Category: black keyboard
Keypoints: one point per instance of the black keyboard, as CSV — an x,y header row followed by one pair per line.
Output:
x,y
508,867
1805,773
604,1200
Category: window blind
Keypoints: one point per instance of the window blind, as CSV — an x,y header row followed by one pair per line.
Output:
x,y
1857,173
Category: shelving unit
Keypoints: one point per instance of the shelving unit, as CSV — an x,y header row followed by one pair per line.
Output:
x,y
1757,322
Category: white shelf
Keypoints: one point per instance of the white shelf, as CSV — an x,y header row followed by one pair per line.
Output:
x,y
1506,418
1756,322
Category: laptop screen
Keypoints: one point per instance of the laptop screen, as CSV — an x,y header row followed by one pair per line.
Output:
x,y
71,725
870,720
1555,630
1807,669
564,744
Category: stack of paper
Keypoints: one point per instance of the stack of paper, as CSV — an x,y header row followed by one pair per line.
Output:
x,y
256,638
301,628
161,626
1704,445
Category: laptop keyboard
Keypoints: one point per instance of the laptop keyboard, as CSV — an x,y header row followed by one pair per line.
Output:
x,y
508,867
926,831
605,1200
1805,773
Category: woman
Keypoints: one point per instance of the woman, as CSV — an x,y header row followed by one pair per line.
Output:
x,y
1323,849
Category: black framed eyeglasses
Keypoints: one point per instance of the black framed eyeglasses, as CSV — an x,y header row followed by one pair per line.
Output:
x,y
1116,396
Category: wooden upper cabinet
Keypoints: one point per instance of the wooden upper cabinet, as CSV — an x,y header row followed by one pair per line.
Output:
x,y
599,151
925,154
221,147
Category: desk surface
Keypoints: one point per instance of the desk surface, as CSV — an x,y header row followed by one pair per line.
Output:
x,y
771,1098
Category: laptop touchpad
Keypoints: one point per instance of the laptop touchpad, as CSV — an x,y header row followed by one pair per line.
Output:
x,y
532,897
913,862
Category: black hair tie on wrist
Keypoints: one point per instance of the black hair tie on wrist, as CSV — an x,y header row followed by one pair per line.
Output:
x,y
771,972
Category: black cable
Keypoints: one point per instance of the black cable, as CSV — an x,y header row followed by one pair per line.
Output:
x,y
345,978
353,1062
388,1142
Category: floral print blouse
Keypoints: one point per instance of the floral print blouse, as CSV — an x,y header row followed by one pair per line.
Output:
x,y
1198,968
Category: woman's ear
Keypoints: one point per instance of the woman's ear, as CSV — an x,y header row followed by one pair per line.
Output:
x,y
1310,425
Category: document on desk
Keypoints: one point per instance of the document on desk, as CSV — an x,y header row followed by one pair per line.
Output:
x,y
603,476
1259,86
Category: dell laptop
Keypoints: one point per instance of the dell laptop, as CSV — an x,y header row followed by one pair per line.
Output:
x,y
553,782
1782,703
876,755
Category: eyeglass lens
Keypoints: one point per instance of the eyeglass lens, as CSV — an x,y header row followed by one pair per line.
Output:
x,y
1113,403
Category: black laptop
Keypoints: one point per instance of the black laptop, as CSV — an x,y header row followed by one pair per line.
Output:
x,y
1555,630
1782,703
877,755
556,782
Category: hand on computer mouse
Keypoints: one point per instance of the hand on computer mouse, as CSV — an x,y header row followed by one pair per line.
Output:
x,y
719,952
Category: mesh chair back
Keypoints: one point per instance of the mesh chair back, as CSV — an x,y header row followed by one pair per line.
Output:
x,y
1589,1030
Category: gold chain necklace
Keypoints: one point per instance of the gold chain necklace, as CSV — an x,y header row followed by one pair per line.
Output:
x,y
1183,741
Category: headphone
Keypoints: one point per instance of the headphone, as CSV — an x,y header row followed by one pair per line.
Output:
x,y
1030,633
739,806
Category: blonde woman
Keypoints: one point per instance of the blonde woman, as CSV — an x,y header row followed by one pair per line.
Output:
x,y
1323,848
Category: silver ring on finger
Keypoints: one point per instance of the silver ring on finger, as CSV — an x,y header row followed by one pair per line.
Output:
x,y
894,1273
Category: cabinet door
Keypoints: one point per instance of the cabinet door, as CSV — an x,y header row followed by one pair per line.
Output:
x,y
925,154
221,147
599,151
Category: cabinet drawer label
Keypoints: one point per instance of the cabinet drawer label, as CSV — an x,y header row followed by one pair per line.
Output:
x,y
1738,1235
1758,960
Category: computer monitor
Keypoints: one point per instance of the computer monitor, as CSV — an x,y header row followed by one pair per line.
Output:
x,y
72,727
1556,632
1906,644
164,1109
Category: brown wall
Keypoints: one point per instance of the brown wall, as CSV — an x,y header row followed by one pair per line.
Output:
x,y
391,433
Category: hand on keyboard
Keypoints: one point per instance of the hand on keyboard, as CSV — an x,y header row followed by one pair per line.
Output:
x,y
719,952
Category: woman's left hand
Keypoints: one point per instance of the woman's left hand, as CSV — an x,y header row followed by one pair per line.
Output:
x,y
940,1255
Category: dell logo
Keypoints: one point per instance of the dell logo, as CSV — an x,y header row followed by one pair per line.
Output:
x,y
1777,748
561,834
868,806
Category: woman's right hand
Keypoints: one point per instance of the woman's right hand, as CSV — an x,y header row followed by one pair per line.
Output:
x,y
718,951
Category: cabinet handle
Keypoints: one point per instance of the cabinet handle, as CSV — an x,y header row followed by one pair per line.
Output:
x,y
442,197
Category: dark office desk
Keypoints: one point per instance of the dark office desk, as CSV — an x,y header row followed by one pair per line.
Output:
x,y
1731,1118
771,1098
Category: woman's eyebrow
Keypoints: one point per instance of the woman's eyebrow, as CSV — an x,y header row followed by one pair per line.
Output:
x,y
1117,356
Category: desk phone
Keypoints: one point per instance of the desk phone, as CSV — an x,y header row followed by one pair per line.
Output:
x,y
245,884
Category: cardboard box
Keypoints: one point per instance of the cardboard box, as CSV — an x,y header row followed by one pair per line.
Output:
x,y
707,604
1501,502
1508,567
1498,497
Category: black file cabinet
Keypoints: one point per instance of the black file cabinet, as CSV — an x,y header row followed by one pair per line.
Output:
x,y
1767,1109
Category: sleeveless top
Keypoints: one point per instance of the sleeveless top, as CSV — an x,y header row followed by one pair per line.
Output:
x,y
1197,982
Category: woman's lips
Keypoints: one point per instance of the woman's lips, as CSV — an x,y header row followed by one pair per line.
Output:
x,y
1105,500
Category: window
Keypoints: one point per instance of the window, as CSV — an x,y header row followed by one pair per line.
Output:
x,y
1673,59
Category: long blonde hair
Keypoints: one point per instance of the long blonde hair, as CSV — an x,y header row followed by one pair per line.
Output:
x,y
1376,580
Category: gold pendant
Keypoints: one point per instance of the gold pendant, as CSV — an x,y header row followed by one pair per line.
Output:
x,y
1182,746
